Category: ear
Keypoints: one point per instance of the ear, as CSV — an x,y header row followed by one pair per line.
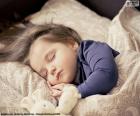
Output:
x,y
27,102
73,44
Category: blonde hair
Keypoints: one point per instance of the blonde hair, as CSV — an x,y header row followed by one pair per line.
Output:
x,y
18,50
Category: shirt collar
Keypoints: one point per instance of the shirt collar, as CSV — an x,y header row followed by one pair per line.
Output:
x,y
80,76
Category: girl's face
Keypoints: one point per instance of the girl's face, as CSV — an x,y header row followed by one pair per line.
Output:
x,y
55,61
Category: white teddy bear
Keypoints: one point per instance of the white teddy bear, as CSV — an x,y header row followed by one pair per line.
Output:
x,y
37,104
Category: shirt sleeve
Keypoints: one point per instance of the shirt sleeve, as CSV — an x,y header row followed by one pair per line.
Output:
x,y
104,71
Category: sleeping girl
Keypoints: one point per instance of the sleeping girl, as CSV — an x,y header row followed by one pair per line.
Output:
x,y
59,55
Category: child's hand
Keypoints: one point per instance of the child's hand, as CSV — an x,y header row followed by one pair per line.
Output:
x,y
56,90
59,86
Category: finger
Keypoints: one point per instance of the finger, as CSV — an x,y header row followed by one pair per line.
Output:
x,y
53,91
49,85
58,86
56,93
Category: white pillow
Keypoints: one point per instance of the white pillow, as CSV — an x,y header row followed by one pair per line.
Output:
x,y
73,14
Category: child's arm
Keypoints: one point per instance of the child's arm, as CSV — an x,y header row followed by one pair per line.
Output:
x,y
104,71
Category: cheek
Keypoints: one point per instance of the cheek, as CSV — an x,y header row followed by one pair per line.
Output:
x,y
66,61
70,66
61,60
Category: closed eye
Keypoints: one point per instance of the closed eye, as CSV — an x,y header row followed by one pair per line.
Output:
x,y
50,56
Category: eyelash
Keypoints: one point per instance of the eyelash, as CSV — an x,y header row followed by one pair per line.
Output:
x,y
50,57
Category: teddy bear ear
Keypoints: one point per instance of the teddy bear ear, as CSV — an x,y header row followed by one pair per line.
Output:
x,y
79,96
27,102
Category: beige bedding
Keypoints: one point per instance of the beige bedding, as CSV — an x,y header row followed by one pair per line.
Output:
x,y
122,33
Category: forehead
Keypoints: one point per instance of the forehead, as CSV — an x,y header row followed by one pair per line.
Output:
x,y
37,52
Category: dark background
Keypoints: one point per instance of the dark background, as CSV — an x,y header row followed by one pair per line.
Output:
x,y
16,10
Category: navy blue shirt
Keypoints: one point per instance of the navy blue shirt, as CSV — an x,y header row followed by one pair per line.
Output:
x,y
97,71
